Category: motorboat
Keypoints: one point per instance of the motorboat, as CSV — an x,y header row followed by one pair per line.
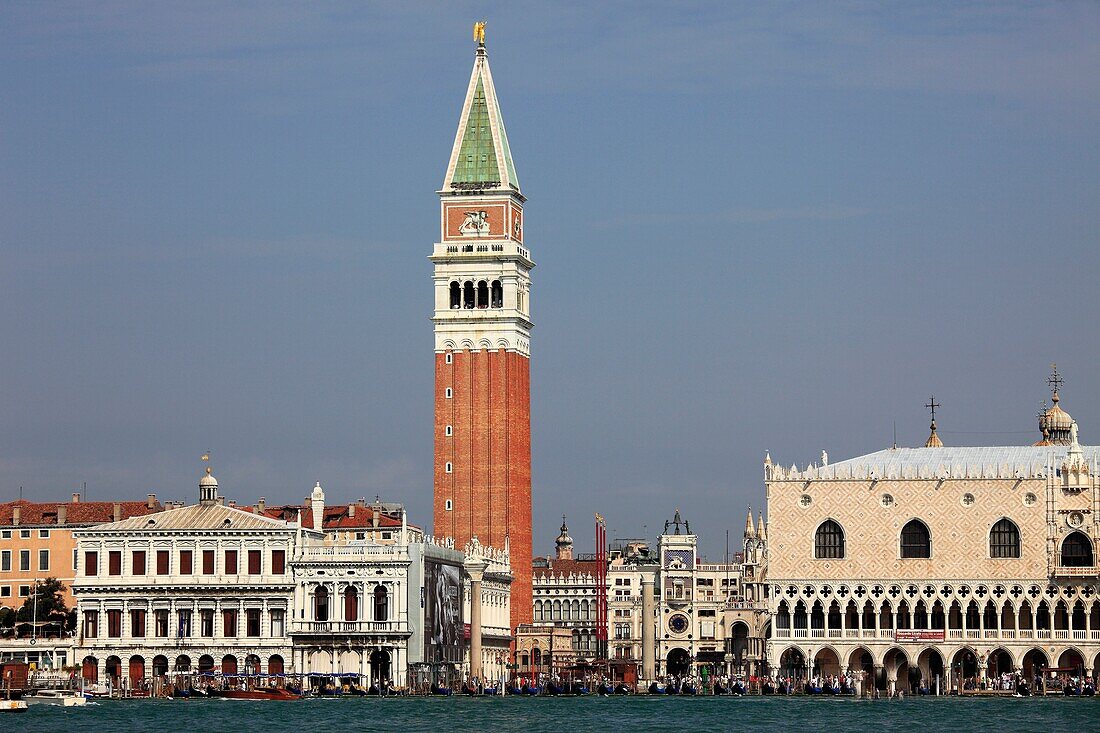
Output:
x,y
13,706
62,698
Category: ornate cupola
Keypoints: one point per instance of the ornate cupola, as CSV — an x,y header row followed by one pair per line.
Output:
x,y
1054,422
208,485
564,542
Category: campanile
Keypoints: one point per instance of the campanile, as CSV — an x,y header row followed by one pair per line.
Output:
x,y
482,319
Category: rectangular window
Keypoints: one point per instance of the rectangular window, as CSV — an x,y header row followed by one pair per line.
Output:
x,y
43,533
76,561
449,505
24,534
5,591
5,534
91,563
184,624
450,358
160,618
24,591
278,562
448,431
230,562
229,623
206,622
43,559
25,560
114,623
91,624
252,622
114,562
162,562
278,623
185,562
449,393
137,563
137,623
207,562
255,562
5,561
448,468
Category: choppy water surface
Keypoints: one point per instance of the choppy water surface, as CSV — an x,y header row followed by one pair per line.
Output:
x,y
564,715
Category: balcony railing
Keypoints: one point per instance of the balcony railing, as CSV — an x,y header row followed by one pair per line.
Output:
x,y
349,627
1005,634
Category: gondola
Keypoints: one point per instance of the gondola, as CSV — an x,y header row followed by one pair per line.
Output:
x,y
440,690
655,689
578,688
720,689
490,691
687,688
554,688
622,689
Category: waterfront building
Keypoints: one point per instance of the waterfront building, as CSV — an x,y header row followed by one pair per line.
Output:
x,y
543,650
482,323
217,588
565,594
192,589
36,540
938,566
692,628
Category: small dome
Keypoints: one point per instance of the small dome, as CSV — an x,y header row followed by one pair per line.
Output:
x,y
1055,424
208,480
564,538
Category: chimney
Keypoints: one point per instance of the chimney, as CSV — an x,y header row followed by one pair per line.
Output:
x,y
351,511
62,513
16,514
317,506
261,505
233,503
76,497
117,512
374,518
151,501
221,501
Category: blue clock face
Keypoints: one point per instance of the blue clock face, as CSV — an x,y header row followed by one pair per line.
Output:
x,y
678,624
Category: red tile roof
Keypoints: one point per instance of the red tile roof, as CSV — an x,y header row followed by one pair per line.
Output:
x,y
565,567
80,512
337,516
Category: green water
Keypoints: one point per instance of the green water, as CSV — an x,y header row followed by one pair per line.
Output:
x,y
566,715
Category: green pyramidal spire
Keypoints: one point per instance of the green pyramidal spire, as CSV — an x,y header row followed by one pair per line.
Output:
x,y
481,159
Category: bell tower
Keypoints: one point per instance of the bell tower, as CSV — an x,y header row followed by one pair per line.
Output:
x,y
482,320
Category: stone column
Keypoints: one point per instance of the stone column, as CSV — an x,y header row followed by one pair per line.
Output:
x,y
648,630
475,568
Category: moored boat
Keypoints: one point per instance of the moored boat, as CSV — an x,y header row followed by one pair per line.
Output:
x,y
13,706
62,698
258,693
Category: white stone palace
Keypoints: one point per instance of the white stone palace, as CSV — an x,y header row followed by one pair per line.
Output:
x,y
938,567
347,592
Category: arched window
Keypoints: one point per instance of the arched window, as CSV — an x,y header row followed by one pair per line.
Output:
x,y
1077,551
482,294
456,295
915,541
468,295
320,604
497,294
351,604
538,610
1004,539
829,541
381,603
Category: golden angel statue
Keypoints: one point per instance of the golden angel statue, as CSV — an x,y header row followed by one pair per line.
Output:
x,y
479,32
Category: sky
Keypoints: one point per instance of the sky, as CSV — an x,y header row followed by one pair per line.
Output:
x,y
758,227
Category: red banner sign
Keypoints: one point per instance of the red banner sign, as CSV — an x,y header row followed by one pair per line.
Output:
x,y
918,635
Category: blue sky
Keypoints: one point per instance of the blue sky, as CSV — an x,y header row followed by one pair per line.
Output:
x,y
758,227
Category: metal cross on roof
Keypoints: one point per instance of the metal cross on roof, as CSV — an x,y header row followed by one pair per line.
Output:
x,y
932,405
1055,381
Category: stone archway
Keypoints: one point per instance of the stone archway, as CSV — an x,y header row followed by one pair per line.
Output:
x,y
827,662
792,663
964,669
740,645
899,673
1072,661
678,662
1034,662
933,675
998,663
89,669
380,667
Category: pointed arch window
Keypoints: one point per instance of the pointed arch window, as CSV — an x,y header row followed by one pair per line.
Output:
x,y
829,541
916,543
1004,539
1077,551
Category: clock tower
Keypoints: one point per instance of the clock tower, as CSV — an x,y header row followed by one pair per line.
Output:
x,y
482,320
